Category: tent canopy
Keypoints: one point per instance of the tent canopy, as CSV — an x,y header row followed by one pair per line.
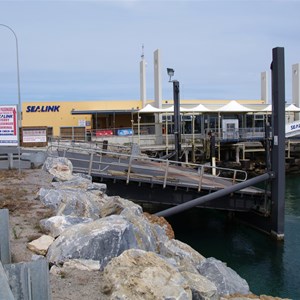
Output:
x,y
234,106
267,108
292,108
150,109
198,108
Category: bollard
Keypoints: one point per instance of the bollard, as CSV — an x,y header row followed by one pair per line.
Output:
x,y
10,161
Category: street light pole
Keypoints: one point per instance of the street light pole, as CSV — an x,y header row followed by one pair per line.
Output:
x,y
177,120
19,93
18,74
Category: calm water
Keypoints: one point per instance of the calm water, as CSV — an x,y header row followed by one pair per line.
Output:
x,y
270,267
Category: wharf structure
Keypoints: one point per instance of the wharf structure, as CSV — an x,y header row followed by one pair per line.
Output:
x,y
272,199
238,126
152,124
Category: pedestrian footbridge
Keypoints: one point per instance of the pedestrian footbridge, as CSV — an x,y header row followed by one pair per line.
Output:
x,y
173,183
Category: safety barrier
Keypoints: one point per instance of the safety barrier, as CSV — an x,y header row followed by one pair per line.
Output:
x,y
25,280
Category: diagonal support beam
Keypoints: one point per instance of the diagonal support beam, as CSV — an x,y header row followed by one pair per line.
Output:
x,y
221,193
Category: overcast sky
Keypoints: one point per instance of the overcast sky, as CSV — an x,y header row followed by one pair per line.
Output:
x,y
90,50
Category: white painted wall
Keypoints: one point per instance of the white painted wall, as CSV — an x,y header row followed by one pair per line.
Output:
x,y
157,80
296,87
143,95
264,82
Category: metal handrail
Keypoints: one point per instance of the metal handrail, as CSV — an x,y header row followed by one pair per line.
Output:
x,y
164,168
55,142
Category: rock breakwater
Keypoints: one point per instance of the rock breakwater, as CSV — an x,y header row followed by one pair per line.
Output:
x,y
135,254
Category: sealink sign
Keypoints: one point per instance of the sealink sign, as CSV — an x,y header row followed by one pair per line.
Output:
x,y
43,108
292,129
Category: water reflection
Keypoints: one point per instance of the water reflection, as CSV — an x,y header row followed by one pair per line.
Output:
x,y
292,195
270,267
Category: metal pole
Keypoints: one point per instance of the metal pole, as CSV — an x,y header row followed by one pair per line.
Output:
x,y
219,136
19,93
213,153
167,135
193,138
177,121
139,128
278,145
218,194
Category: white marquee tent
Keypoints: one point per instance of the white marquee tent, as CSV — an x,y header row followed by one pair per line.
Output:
x,y
234,106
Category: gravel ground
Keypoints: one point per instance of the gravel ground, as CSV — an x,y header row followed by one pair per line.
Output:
x,y
18,194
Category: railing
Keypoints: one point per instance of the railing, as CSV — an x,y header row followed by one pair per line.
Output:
x,y
101,162
251,133
57,142
145,136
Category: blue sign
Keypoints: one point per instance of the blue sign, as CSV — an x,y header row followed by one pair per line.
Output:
x,y
124,132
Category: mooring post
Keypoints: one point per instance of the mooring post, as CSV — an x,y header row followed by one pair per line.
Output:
x,y
278,143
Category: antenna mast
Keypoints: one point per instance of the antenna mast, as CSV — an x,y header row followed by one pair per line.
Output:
x,y
142,56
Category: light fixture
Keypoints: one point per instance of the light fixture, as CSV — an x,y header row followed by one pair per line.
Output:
x,y
170,73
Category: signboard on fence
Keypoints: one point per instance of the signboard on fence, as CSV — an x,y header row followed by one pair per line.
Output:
x,y
34,135
8,125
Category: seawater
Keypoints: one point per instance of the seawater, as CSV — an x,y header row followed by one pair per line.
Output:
x,y
270,267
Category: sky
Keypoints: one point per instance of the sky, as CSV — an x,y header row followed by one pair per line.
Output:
x,y
90,50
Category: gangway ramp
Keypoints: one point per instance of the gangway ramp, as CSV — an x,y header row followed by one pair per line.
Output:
x,y
142,169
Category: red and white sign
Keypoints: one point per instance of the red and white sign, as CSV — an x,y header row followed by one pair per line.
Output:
x,y
34,135
8,125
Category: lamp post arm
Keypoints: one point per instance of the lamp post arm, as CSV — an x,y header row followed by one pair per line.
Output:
x,y
18,73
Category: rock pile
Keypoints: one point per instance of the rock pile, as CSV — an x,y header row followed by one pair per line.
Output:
x,y
137,255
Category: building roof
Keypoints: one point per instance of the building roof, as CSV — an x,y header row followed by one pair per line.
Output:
x,y
97,111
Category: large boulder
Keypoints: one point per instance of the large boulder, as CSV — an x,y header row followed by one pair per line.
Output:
x,y
36,159
149,236
148,277
99,240
57,224
226,280
60,167
161,221
201,287
82,182
185,256
75,202
115,205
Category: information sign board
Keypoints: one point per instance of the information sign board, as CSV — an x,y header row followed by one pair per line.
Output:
x,y
8,125
34,135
